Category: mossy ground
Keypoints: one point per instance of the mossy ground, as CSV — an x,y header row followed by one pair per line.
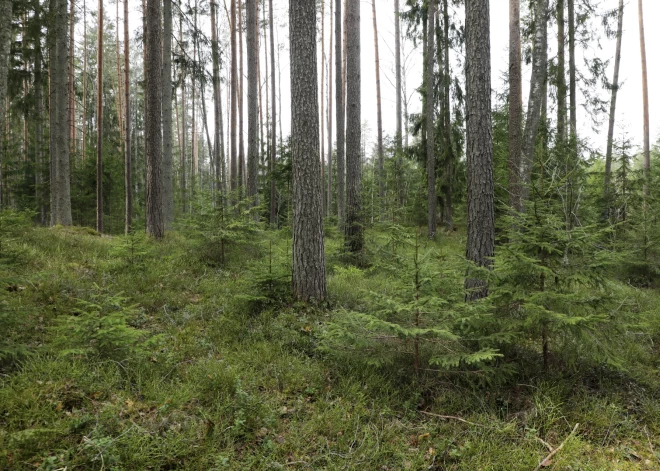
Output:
x,y
218,384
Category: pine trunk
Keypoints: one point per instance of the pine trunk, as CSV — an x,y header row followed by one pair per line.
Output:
x,y
168,182
72,95
328,211
379,119
234,100
449,149
339,74
572,72
128,160
479,144
309,277
153,135
241,90
515,106
615,90
99,121
273,136
561,74
645,100
430,121
253,110
5,47
536,97
354,229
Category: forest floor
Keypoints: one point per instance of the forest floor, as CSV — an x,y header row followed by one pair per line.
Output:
x,y
125,354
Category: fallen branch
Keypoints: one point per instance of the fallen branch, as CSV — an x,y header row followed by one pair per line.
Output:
x,y
450,417
546,444
545,460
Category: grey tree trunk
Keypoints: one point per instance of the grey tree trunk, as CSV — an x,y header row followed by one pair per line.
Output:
x,y
128,160
5,46
234,100
449,149
399,108
479,145
168,182
379,110
536,97
309,277
341,110
241,96
572,72
515,106
273,132
72,89
39,129
218,147
329,189
99,121
561,73
645,100
184,127
615,90
253,109
430,121
153,135
354,229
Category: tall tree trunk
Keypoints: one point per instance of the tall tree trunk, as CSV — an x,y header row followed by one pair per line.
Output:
x,y
379,112
309,277
120,105
61,128
128,158
168,182
153,136
99,121
610,129
536,98
322,96
479,145
430,121
328,211
39,128
273,136
234,99
645,100
340,113
561,73
253,110
218,147
84,73
354,224
71,75
241,96
572,72
449,148
194,167
515,106
184,127
399,117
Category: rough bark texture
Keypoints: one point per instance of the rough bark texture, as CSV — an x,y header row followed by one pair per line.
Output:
x,y
329,189
561,73
479,145
340,113
234,99
218,144
535,104
430,121
253,110
241,97
128,160
153,136
84,93
5,45
184,127
399,100
322,96
449,148
645,98
572,71
379,118
72,90
354,229
273,132
309,277
515,106
168,179
615,90
39,130
99,121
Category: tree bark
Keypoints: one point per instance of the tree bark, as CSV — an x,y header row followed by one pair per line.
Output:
x,y
153,136
128,160
99,121
234,100
84,73
323,198
5,47
572,72
379,111
610,129
168,182
479,145
184,127
241,148
309,277
536,97
329,189
561,73
218,147
354,229
430,121
253,110
39,128
645,99
72,95
273,136
449,148
515,106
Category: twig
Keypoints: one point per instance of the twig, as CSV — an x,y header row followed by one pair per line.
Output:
x,y
450,417
547,445
650,444
556,450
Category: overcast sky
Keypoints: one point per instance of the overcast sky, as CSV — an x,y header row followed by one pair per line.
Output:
x,y
629,105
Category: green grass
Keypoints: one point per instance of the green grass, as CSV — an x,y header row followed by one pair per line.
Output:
x,y
217,384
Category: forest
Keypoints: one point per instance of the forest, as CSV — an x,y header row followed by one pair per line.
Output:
x,y
324,235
